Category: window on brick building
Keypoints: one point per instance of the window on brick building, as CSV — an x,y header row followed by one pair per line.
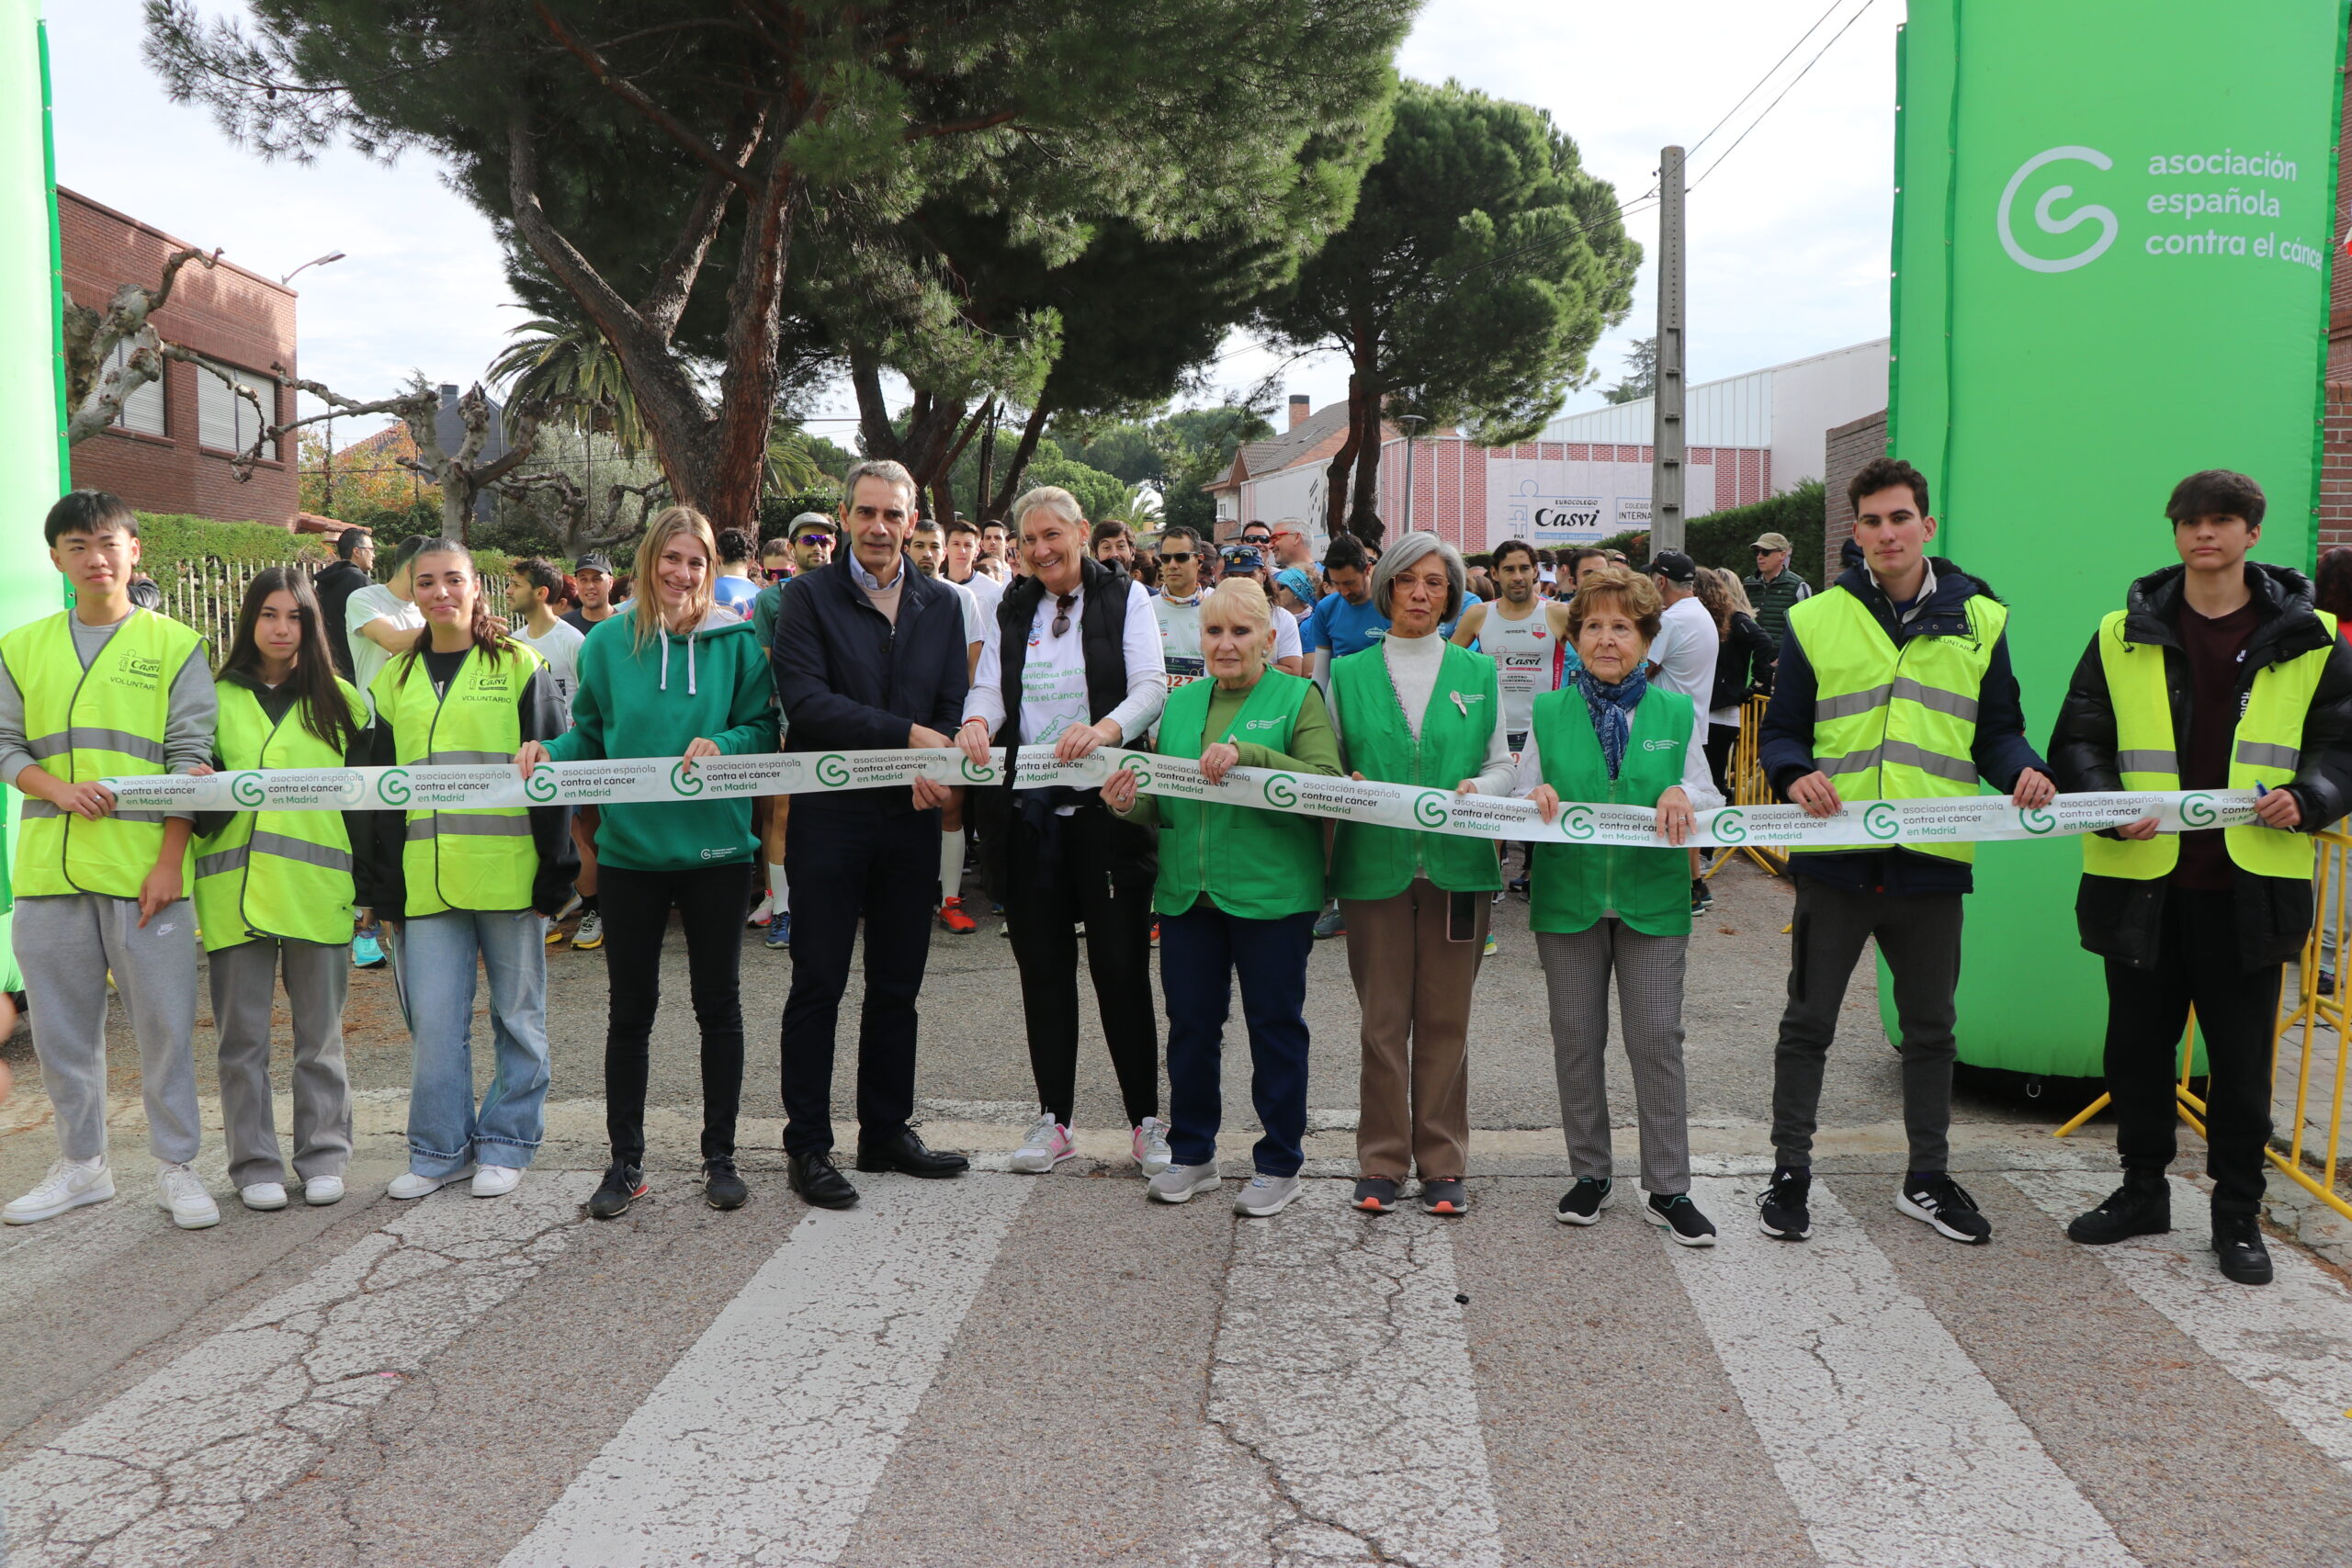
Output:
x,y
223,419
143,410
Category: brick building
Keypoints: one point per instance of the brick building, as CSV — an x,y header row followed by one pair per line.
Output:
x,y
170,450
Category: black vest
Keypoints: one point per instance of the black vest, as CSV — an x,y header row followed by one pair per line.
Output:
x,y
1101,627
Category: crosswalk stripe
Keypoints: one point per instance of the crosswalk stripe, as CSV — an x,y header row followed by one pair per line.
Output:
x,y
1342,1420
1895,1449
2290,1342
765,1439
162,1471
35,1259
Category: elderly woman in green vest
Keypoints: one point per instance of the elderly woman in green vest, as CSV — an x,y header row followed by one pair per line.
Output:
x,y
468,887
1415,710
274,893
1600,911
1237,892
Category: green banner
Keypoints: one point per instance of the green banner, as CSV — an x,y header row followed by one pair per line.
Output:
x,y
2113,228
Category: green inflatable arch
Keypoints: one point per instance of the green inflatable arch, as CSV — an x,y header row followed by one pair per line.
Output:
x,y
2113,228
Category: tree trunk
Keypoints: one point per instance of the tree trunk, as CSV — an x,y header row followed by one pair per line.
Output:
x,y
988,458
1364,513
1000,510
1335,477
728,487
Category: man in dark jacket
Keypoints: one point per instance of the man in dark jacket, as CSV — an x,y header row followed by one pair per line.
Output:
x,y
869,655
353,569
2218,674
1894,684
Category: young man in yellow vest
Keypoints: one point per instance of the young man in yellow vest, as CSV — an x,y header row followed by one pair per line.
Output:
x,y
1894,684
2217,674
105,690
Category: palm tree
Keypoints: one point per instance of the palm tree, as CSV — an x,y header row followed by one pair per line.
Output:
x,y
568,369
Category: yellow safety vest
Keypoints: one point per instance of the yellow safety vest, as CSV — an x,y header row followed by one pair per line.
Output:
x,y
104,722
274,874
1896,723
462,859
2266,750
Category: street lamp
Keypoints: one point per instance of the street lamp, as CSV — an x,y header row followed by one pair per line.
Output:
x,y
1412,423
314,260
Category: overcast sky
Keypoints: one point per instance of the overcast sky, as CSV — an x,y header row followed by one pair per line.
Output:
x,y
1787,240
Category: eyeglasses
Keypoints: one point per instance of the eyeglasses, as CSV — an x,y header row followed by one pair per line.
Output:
x,y
1062,603
1175,555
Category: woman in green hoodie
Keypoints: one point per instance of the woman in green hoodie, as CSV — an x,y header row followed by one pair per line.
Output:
x,y
675,677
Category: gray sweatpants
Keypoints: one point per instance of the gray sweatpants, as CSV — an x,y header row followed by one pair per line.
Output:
x,y
1576,969
1918,935
66,946
244,983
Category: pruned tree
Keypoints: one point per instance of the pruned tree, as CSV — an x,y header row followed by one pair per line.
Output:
x,y
1481,266
678,169
95,390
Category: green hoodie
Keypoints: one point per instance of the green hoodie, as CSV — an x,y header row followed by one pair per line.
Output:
x,y
650,702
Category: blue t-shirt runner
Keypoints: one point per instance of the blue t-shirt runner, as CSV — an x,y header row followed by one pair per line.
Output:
x,y
1341,627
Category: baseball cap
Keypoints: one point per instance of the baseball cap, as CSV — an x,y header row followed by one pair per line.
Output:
x,y
807,521
1770,542
595,560
1673,566
1241,557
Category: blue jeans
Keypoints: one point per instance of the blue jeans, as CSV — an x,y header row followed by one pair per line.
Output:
x,y
446,1132
1199,952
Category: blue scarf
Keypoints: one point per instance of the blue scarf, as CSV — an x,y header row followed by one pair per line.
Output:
x,y
1613,711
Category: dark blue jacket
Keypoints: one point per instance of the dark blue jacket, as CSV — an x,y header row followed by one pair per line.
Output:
x,y
2001,751
850,681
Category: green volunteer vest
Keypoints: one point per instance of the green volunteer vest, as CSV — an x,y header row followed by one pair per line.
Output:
x,y
1254,864
462,859
1372,862
1575,884
2266,748
274,874
104,722
1896,723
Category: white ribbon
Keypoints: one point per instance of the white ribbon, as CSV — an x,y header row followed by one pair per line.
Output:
x,y
642,779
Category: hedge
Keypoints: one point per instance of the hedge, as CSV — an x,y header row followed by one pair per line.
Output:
x,y
1724,538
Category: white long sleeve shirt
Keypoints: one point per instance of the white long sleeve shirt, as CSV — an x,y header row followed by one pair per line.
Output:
x,y
1053,677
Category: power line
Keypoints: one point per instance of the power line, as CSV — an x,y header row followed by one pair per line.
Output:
x,y
1766,77
1785,92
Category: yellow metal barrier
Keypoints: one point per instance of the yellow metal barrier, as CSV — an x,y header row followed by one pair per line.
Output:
x,y
2312,1024
1745,774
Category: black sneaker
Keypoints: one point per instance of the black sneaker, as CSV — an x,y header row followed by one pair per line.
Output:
x,y
1940,1202
624,1185
1781,1210
1582,1203
2237,1241
721,1187
1519,885
1681,1219
2136,1208
1444,1196
1701,900
1375,1195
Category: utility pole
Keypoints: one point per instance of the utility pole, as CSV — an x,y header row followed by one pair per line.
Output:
x,y
1412,423
1666,465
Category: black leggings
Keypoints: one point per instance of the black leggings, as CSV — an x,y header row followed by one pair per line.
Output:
x,y
1043,914
636,905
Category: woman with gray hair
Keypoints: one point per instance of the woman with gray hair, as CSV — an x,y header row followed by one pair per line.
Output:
x,y
1415,710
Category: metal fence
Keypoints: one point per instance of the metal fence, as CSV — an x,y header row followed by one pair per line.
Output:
x,y
206,595
1745,774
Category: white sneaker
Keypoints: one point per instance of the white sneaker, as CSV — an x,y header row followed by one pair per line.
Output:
x,y
1047,1144
69,1185
1151,1146
408,1184
263,1195
1266,1196
182,1195
321,1190
760,911
497,1180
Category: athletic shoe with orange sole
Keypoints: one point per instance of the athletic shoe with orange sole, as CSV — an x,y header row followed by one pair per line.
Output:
x,y
951,917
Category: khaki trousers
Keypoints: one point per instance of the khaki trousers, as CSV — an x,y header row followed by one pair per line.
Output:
x,y
1413,989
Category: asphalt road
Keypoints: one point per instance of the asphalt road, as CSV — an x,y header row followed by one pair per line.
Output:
x,y
1022,1369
